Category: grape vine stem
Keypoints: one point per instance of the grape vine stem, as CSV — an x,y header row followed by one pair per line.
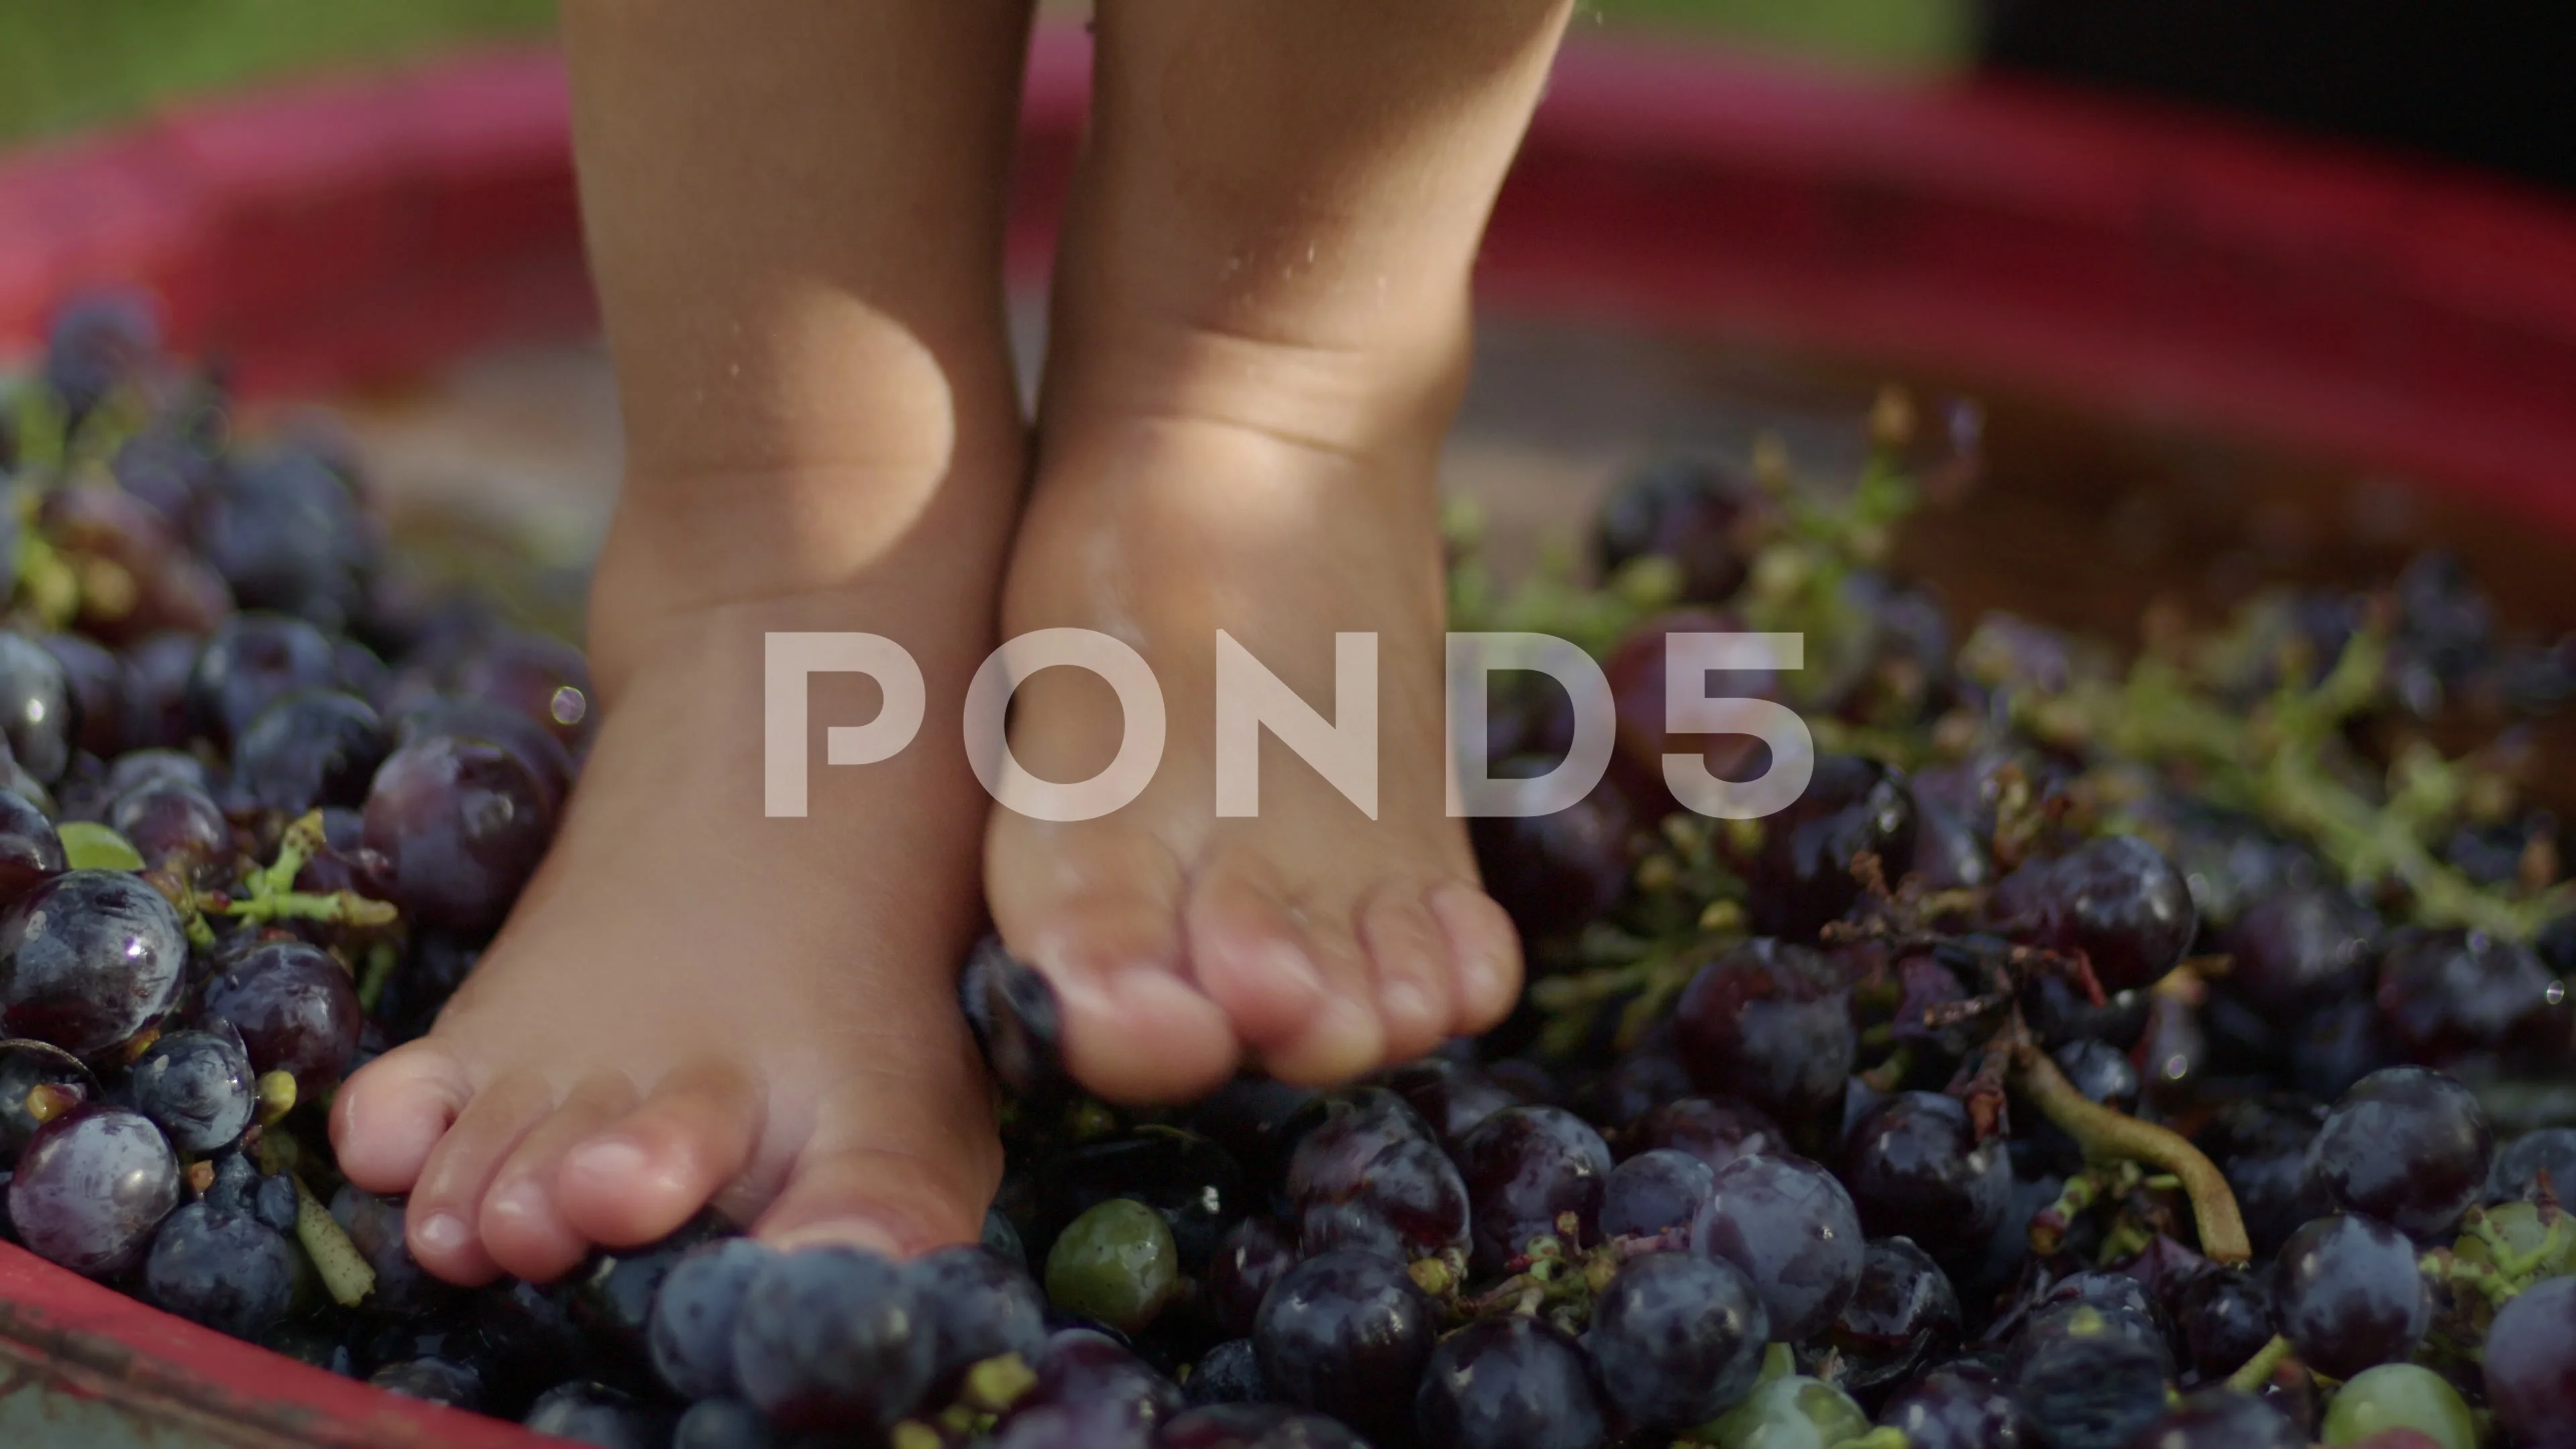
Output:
x,y
2107,1135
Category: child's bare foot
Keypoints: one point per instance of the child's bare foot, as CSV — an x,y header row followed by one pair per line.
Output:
x,y
698,1003
1261,325
1331,942
795,227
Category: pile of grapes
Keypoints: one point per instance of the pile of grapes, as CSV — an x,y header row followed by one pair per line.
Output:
x,y
2174,1054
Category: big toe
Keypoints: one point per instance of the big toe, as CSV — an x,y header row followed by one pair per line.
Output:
x,y
1253,946
389,1116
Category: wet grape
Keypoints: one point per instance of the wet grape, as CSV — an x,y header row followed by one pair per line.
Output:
x,y
1116,1264
295,1007
2088,1377
1525,1167
2530,1370
1903,1317
2226,1316
1253,1254
1803,876
1677,1339
2116,900
228,1271
2407,1146
831,1337
461,825
176,828
1914,1165
31,852
1229,1373
88,959
691,1333
198,1087
1654,1192
1959,1407
1347,1334
1508,1383
252,661
1254,1426
2349,1295
2221,1419
1768,1022
1369,1174
309,749
2516,1175
90,1188
2444,994
1793,1231
1716,1130
977,1305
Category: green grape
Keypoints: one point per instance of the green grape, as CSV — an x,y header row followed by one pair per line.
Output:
x,y
2399,1396
2517,1226
1790,1413
88,845
1116,1263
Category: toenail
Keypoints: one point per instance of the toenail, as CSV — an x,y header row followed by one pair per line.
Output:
x,y
1407,1001
518,1200
1292,965
846,1232
613,1159
444,1233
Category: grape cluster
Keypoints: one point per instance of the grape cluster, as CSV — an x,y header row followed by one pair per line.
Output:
x,y
2176,1059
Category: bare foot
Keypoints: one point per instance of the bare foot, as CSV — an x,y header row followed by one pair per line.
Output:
x,y
1325,942
696,1003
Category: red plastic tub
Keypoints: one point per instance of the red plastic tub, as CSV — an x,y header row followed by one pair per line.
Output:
x,y
2113,257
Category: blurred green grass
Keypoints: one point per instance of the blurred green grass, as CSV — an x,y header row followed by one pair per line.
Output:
x,y
67,64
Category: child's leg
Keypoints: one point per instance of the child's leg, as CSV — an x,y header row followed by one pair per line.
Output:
x,y
1261,333
795,217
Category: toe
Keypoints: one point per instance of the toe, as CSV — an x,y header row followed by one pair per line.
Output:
x,y
1135,1030
523,1226
1484,951
895,1163
1242,931
387,1118
647,1173
446,1205
1410,958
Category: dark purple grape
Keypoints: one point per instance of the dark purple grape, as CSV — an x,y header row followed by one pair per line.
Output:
x,y
252,661
375,1225
286,533
610,1296
1951,850
1640,673
976,1305
24,1066
2531,1364
156,766
1794,1232
1508,1383
1089,1390
2337,1045
2349,1295
1902,1318
1768,1022
1654,1192
597,1414
1703,516
2520,1165
536,675
1229,1373
2088,1377
548,763
1803,876
228,1271
2116,900
295,1007
2226,1317
461,825
1914,1165
36,712
1557,872
2221,1419
30,852
157,672
2263,1147
2299,948
1254,1254
433,1380
1634,1084
1677,1339
2102,1072
1525,1167
88,959
2407,1146
96,681
135,575
1369,1174
2060,1011
722,1424
90,1187
1716,1130
97,343
1254,1426
2448,993
831,1338
164,466
691,1334
1451,1096
176,828
1012,1011
1959,1407
1347,1334
197,1087
309,749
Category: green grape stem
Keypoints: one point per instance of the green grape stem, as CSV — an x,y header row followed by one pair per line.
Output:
x,y
2258,1370
2107,1135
